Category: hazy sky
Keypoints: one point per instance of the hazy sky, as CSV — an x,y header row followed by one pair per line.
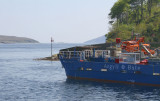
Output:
x,y
71,21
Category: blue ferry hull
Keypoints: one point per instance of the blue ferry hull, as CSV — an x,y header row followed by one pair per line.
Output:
x,y
112,72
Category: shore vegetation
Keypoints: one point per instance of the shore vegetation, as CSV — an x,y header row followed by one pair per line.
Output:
x,y
135,16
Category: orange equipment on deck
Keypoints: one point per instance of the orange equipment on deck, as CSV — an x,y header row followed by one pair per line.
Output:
x,y
134,46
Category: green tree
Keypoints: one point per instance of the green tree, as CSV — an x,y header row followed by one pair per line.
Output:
x,y
117,10
149,7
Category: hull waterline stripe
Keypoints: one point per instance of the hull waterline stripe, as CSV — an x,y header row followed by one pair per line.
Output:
x,y
112,81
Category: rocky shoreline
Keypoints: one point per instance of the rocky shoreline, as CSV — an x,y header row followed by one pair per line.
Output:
x,y
53,58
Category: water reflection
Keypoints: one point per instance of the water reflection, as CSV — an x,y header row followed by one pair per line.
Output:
x,y
87,90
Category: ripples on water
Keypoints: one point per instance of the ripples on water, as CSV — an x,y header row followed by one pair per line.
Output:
x,y
22,78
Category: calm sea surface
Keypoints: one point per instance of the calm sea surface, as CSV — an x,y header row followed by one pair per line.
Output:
x,y
24,79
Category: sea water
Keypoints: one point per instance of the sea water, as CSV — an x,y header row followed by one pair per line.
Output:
x,y
24,79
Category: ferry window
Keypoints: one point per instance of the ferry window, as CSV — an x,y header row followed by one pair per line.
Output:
x,y
130,58
137,57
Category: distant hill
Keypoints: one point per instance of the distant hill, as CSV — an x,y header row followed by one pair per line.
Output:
x,y
98,40
14,39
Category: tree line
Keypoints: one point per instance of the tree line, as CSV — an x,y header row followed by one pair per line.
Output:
x,y
132,11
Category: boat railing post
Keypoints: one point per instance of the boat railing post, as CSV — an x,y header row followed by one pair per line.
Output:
x,y
77,54
63,54
94,53
66,54
135,58
69,55
80,55
140,46
153,68
83,55
104,54
74,52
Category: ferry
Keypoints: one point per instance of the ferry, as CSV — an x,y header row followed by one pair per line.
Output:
x,y
129,62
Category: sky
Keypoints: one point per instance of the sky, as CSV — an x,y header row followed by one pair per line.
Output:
x,y
69,21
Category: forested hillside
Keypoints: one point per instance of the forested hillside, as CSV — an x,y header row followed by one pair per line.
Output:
x,y
135,16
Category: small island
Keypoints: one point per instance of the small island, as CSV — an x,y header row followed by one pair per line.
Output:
x,y
13,39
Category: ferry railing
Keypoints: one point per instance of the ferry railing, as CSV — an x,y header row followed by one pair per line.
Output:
x,y
70,54
82,55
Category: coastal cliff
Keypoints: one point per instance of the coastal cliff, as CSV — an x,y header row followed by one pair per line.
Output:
x,y
14,39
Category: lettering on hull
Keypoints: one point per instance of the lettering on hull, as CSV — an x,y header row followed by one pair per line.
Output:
x,y
122,67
